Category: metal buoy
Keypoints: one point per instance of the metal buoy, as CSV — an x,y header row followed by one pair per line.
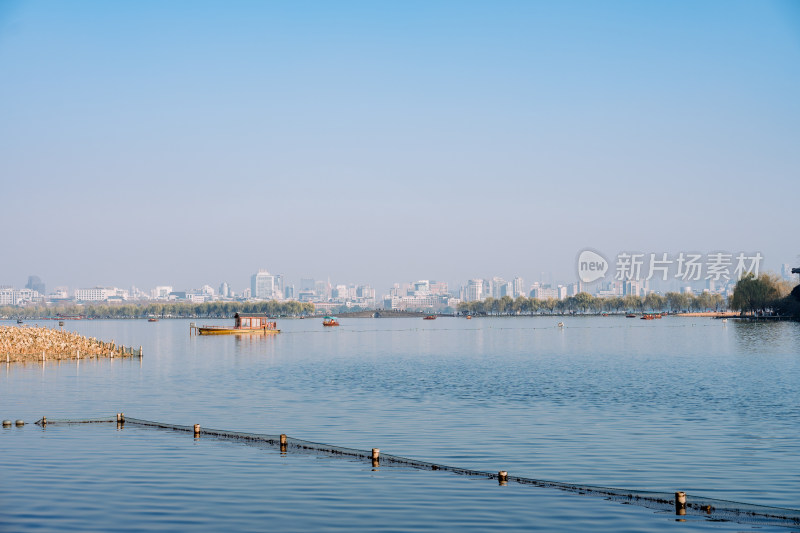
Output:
x,y
20,423
6,423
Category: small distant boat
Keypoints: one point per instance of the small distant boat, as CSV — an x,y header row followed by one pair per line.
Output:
x,y
243,324
151,319
429,317
19,321
330,321
469,317
561,324
630,315
651,316
724,320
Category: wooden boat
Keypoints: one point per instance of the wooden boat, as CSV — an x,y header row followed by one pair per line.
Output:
x,y
630,315
469,317
429,317
330,321
651,316
243,324
151,319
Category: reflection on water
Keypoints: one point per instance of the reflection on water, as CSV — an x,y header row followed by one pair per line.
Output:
x,y
779,337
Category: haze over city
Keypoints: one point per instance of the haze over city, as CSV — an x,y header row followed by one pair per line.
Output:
x,y
186,143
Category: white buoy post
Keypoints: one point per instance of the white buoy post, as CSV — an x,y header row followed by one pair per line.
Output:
x,y
680,503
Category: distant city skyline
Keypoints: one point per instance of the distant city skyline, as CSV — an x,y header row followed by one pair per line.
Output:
x,y
187,144
715,273
296,280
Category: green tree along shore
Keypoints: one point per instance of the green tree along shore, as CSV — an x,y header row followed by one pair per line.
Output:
x,y
161,310
766,294
586,303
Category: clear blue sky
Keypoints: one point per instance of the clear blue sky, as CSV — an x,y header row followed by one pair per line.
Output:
x,y
186,143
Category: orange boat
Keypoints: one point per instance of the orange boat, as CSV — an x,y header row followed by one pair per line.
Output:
x,y
429,317
330,321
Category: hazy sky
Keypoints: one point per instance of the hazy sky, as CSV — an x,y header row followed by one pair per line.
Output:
x,y
184,143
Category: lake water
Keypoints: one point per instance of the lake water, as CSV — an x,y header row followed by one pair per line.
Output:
x,y
690,404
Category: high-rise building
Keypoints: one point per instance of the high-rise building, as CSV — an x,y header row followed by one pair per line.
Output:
x,y
224,290
497,287
323,290
339,292
262,285
518,287
438,287
35,283
573,289
474,290
422,287
288,292
366,292
633,287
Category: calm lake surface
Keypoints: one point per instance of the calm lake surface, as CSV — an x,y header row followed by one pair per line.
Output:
x,y
689,404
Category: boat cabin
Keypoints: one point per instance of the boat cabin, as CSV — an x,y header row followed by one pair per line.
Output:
x,y
252,321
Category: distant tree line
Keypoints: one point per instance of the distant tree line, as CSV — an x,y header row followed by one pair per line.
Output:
x,y
585,303
162,309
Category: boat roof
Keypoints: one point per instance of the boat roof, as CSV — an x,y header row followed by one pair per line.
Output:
x,y
251,315
329,317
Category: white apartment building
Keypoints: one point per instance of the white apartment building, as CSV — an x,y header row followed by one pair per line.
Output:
x,y
517,288
543,293
10,296
263,286
100,294
474,290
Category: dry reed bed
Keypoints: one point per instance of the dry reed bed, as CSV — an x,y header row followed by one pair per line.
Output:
x,y
30,343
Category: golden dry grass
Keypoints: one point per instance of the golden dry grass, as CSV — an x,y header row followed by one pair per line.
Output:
x,y
29,343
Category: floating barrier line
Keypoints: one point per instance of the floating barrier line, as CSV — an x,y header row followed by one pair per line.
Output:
x,y
680,502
